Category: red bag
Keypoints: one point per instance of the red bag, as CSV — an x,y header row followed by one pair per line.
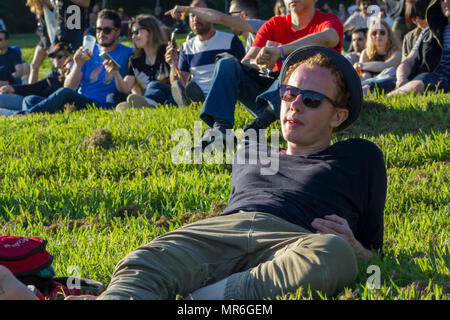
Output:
x,y
24,256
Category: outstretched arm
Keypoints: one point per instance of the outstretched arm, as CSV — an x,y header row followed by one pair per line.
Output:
x,y
213,16
11,288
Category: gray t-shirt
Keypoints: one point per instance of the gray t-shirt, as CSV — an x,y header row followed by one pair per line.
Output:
x,y
256,24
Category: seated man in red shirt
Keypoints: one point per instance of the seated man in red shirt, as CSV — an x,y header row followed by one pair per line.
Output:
x,y
234,80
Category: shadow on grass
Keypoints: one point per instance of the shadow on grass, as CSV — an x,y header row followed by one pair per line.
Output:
x,y
377,118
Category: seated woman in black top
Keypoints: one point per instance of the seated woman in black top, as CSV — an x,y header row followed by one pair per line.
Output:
x,y
146,83
301,225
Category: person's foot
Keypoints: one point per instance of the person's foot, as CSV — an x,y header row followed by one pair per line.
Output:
x,y
122,107
178,94
138,101
263,121
11,288
215,139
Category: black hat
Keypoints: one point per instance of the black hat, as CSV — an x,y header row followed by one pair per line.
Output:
x,y
351,78
59,46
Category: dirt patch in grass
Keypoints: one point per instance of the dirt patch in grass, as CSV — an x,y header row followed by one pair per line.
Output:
x,y
101,138
130,210
70,224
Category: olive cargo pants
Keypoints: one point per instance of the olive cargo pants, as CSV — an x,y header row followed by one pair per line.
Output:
x,y
264,256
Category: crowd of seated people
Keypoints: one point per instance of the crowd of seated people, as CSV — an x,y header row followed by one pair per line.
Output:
x,y
216,68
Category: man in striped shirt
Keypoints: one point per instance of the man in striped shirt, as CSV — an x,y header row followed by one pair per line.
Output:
x,y
192,79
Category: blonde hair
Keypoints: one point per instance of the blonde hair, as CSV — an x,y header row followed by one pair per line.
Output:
x,y
392,44
323,61
36,6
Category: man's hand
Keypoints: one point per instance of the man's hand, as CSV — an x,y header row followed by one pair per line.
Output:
x,y
110,67
171,54
176,12
7,89
268,57
339,226
80,56
11,288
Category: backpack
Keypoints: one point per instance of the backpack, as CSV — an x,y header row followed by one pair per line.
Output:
x,y
30,262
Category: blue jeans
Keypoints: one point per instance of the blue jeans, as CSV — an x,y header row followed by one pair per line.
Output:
x,y
383,84
231,83
11,102
56,101
159,92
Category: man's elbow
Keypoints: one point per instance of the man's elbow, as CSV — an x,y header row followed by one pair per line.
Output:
x,y
331,38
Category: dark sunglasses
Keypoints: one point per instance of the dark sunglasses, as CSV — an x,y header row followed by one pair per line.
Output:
x,y
310,98
234,12
105,30
381,32
136,32
59,56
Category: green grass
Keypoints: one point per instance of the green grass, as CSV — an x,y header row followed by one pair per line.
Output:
x,y
54,186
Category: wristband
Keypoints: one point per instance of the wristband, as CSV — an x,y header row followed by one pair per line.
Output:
x,y
282,57
403,76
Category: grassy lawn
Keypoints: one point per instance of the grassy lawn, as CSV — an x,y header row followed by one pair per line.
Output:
x,y
54,185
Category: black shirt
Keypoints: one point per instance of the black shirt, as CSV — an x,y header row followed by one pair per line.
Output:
x,y
347,179
8,62
144,72
43,88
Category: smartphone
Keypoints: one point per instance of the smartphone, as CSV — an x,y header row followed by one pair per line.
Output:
x,y
172,37
105,56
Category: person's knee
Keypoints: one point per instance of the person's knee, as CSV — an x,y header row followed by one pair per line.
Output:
x,y
341,256
227,64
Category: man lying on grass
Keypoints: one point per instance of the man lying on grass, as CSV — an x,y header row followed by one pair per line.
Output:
x,y
301,227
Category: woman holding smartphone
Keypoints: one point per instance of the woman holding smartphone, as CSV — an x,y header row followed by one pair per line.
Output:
x,y
146,83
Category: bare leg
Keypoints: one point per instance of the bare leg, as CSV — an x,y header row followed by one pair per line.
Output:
x,y
415,86
13,289
39,56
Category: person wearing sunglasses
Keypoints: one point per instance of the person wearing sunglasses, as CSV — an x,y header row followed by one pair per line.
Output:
x,y
147,81
304,225
89,82
18,97
379,59
245,80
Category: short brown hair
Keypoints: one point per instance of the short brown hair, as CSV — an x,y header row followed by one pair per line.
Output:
x,y
321,60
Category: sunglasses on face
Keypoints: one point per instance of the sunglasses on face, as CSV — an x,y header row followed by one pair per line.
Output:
x,y
310,98
59,56
137,31
380,32
105,30
234,12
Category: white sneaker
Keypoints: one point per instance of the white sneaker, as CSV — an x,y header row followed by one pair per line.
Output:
x,y
122,107
138,101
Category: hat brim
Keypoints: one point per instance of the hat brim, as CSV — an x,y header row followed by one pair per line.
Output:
x,y
351,78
